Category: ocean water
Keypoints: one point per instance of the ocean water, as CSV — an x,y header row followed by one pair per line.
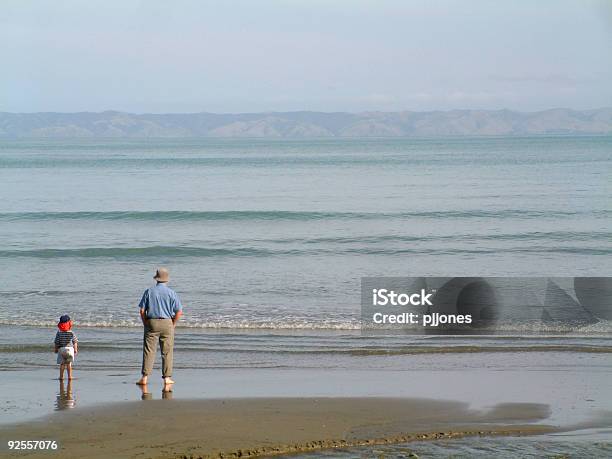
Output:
x,y
277,234
266,241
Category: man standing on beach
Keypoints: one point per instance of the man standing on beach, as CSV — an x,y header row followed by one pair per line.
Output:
x,y
160,310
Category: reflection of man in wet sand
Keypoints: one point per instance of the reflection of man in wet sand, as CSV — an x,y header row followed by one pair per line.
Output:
x,y
65,400
160,310
146,395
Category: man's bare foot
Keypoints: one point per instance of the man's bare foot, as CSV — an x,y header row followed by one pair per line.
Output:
x,y
168,381
142,381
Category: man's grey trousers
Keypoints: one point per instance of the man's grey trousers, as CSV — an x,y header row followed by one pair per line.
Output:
x,y
161,330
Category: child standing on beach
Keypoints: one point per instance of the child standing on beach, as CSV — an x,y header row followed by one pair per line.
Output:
x,y
66,346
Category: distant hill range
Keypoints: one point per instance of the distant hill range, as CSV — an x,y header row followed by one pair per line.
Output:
x,y
307,124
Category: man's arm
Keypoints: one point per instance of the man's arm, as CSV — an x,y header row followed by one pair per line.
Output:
x,y
176,317
143,316
143,306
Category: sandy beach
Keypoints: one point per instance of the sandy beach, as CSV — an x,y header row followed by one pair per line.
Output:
x,y
268,426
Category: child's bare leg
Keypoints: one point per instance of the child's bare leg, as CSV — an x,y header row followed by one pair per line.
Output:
x,y
69,370
61,376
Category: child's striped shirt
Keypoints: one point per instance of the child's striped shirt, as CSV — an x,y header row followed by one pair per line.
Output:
x,y
65,339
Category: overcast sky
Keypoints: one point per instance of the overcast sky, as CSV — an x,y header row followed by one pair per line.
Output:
x,y
282,55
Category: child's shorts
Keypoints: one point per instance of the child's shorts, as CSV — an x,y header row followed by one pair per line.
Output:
x,y
65,355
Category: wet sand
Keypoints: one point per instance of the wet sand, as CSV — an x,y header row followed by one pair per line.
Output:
x,y
251,427
585,388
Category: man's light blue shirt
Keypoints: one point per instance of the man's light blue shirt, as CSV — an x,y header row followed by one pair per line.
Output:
x,y
160,302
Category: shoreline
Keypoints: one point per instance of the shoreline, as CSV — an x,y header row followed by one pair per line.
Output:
x,y
255,427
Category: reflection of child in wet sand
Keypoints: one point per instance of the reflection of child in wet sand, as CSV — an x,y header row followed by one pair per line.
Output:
x,y
65,399
66,346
